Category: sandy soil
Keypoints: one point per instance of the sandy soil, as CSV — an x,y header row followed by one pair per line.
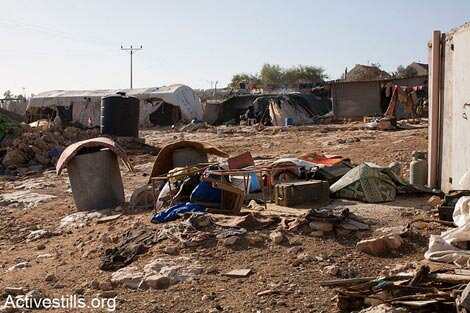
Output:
x,y
75,254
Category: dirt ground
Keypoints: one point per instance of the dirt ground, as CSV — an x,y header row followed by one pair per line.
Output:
x,y
73,256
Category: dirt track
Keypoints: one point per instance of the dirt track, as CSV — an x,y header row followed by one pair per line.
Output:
x,y
75,254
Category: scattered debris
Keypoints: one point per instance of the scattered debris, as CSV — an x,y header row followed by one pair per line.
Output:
x,y
239,273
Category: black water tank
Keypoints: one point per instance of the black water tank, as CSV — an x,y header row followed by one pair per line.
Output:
x,y
120,115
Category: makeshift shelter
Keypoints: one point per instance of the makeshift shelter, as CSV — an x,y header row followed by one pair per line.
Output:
x,y
158,105
273,109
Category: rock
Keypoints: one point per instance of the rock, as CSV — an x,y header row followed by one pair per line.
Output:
x,y
41,144
79,291
229,241
13,157
128,277
105,286
40,246
105,238
393,241
317,233
434,201
15,291
59,285
18,266
395,230
321,226
109,294
38,234
277,237
157,282
34,294
295,250
50,278
265,292
172,250
254,240
380,245
42,159
332,270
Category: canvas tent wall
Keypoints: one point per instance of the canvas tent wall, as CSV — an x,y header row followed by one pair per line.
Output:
x,y
158,105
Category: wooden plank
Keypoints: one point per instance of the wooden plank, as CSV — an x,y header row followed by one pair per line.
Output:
x,y
461,271
239,273
450,278
416,303
345,282
108,218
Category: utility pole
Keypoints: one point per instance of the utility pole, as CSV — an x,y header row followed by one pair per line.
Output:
x,y
131,51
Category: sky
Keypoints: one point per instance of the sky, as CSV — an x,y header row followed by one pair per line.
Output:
x,y
65,44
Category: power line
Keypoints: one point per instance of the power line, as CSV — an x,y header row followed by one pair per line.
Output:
x,y
26,27
131,51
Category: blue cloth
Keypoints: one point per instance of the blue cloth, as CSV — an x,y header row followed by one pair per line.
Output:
x,y
204,192
172,212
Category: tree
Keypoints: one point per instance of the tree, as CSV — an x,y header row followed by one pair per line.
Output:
x,y
275,74
404,72
244,78
272,74
8,95
304,74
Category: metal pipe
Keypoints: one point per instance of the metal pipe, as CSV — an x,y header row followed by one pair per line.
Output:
x,y
434,104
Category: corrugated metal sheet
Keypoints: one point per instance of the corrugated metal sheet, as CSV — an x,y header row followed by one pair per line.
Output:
x,y
356,99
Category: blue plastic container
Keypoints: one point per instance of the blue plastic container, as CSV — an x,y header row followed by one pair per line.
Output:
x,y
288,121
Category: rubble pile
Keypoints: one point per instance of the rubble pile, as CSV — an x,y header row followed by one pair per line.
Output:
x,y
426,289
42,145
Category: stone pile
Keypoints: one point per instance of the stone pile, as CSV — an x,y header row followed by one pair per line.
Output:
x,y
42,145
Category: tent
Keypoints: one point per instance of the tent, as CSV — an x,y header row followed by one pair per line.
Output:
x,y
158,105
274,108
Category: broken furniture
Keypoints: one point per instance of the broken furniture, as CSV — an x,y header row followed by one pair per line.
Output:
x,y
165,160
94,173
231,196
291,194
171,177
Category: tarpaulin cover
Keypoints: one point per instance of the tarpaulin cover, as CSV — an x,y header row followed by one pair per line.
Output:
x,y
366,184
369,182
301,107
